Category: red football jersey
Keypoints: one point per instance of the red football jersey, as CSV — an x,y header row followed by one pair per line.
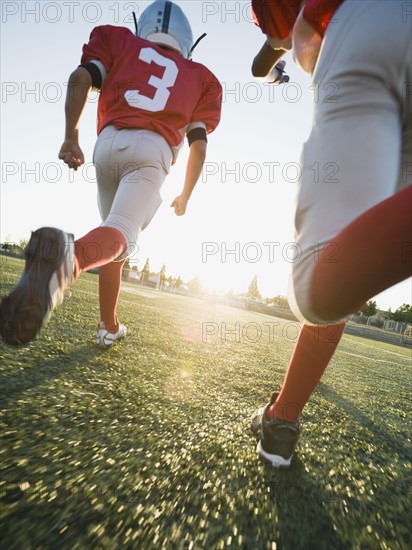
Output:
x,y
148,87
276,18
320,12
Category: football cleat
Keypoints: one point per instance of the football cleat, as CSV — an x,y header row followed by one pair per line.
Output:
x,y
48,271
278,438
278,441
256,418
105,339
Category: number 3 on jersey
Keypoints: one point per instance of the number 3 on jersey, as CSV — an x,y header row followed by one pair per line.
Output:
x,y
162,85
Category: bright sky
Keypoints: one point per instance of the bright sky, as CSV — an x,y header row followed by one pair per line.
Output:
x,y
240,218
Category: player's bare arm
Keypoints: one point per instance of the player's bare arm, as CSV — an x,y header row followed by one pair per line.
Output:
x,y
266,59
197,156
275,20
79,85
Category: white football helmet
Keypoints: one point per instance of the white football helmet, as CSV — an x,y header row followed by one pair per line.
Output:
x,y
164,23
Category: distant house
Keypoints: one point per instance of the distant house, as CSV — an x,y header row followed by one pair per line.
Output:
x,y
380,315
395,326
133,275
407,334
152,281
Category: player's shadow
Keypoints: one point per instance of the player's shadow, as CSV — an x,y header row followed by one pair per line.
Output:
x,y
303,503
15,383
380,433
300,504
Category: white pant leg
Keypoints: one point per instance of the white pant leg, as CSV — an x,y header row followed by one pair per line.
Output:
x,y
131,166
359,150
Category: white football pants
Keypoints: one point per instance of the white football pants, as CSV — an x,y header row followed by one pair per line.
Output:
x,y
359,151
131,166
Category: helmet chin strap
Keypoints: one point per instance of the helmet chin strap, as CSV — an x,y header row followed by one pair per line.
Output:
x,y
196,43
135,22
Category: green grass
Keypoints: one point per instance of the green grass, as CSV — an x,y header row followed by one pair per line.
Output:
x,y
147,445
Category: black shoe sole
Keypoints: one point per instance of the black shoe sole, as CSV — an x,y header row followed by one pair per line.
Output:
x,y
27,308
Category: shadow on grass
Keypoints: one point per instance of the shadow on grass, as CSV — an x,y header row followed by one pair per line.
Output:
x,y
304,522
14,383
380,433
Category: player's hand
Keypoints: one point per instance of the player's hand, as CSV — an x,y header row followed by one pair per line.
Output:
x,y
282,78
71,154
179,204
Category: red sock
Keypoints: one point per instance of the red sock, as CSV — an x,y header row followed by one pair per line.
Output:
x,y
374,252
110,277
99,247
311,356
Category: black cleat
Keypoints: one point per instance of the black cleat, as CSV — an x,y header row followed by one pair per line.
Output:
x,y
256,418
278,438
47,273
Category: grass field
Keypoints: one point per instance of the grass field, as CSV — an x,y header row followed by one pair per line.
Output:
x,y
147,445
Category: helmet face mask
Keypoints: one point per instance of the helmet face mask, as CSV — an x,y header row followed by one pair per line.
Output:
x,y
165,24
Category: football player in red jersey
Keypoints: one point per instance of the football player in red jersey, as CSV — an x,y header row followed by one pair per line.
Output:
x,y
353,230
152,95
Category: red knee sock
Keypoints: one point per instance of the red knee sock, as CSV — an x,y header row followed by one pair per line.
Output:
x,y
373,253
312,353
109,288
97,248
